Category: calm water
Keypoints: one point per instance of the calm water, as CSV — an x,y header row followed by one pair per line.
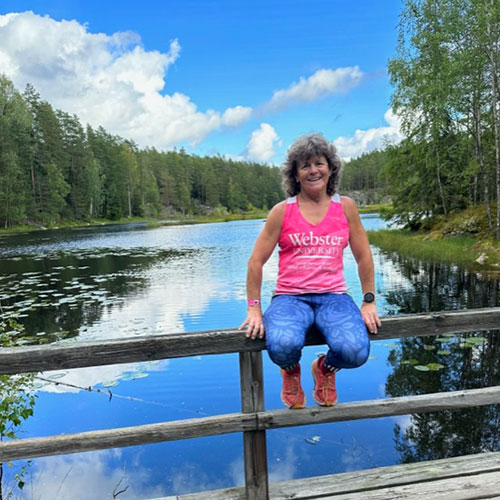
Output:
x,y
123,281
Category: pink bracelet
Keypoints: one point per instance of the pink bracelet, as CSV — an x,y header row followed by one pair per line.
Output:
x,y
255,302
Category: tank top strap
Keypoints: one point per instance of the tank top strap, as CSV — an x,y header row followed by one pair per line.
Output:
x,y
291,206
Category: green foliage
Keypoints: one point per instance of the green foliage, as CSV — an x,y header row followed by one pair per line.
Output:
x,y
364,172
446,78
53,170
16,399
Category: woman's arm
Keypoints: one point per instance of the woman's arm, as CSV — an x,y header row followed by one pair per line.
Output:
x,y
361,250
264,246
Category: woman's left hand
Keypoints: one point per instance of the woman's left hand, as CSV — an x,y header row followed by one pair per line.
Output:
x,y
370,317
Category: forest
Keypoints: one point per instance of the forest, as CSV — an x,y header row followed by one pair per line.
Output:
x,y
54,169
446,79
446,92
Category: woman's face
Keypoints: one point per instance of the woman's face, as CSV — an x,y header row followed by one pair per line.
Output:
x,y
313,174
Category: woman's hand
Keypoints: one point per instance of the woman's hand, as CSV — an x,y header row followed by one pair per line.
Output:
x,y
255,327
370,316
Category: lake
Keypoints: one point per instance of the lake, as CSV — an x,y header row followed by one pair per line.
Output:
x,y
124,281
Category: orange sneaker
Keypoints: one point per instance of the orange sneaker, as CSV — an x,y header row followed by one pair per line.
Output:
x,y
324,392
292,394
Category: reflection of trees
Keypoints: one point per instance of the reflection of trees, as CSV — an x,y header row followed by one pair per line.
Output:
x,y
449,432
96,280
441,287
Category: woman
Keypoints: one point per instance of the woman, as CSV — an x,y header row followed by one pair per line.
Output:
x,y
312,228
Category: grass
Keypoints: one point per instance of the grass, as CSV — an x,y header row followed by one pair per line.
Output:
x,y
70,224
176,220
463,250
370,209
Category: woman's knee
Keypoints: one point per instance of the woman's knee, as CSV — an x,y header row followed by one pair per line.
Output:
x,y
349,357
285,349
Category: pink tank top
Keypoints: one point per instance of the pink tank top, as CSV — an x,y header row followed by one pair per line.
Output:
x,y
311,255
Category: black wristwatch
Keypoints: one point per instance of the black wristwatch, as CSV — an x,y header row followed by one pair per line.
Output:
x,y
368,297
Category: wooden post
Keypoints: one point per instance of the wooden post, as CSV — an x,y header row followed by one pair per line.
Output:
x,y
254,442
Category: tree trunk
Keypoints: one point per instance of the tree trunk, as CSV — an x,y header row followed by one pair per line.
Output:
x,y
492,48
440,184
479,156
129,202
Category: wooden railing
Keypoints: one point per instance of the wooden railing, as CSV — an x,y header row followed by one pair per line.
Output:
x,y
253,420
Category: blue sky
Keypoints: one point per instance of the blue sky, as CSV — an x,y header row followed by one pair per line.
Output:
x,y
236,78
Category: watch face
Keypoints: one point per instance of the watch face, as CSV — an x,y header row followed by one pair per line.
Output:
x,y
368,297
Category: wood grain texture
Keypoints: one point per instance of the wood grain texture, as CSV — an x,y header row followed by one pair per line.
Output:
x,y
243,422
254,442
126,436
65,355
377,408
395,481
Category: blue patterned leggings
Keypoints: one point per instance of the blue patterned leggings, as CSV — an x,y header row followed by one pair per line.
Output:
x,y
289,317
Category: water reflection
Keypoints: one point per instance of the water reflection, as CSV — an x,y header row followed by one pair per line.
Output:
x,y
412,286
119,282
468,362
89,476
58,294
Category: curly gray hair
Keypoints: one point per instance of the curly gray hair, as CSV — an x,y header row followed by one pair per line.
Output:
x,y
303,149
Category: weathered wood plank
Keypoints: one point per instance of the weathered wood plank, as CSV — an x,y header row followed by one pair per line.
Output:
x,y
360,482
237,422
64,355
126,436
363,481
254,442
424,403
469,487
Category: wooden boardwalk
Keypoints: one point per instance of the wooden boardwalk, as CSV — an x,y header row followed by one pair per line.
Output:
x,y
460,478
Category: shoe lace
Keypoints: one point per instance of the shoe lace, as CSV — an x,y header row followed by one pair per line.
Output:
x,y
292,385
329,384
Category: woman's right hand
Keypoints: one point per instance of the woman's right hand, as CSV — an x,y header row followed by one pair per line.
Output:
x,y
253,321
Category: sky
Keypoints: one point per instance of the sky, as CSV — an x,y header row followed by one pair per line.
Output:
x,y
241,79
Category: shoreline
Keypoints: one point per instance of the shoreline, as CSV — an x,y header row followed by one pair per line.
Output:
x,y
174,220
472,251
477,254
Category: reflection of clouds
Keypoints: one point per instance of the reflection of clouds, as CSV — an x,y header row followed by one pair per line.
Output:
x,y
404,422
87,476
179,290
391,274
354,456
188,478
180,287
381,389
92,376
284,469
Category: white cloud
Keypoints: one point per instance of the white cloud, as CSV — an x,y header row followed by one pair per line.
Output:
x,y
233,117
364,141
261,143
321,83
108,80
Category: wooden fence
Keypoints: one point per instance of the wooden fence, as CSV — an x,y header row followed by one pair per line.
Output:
x,y
253,420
